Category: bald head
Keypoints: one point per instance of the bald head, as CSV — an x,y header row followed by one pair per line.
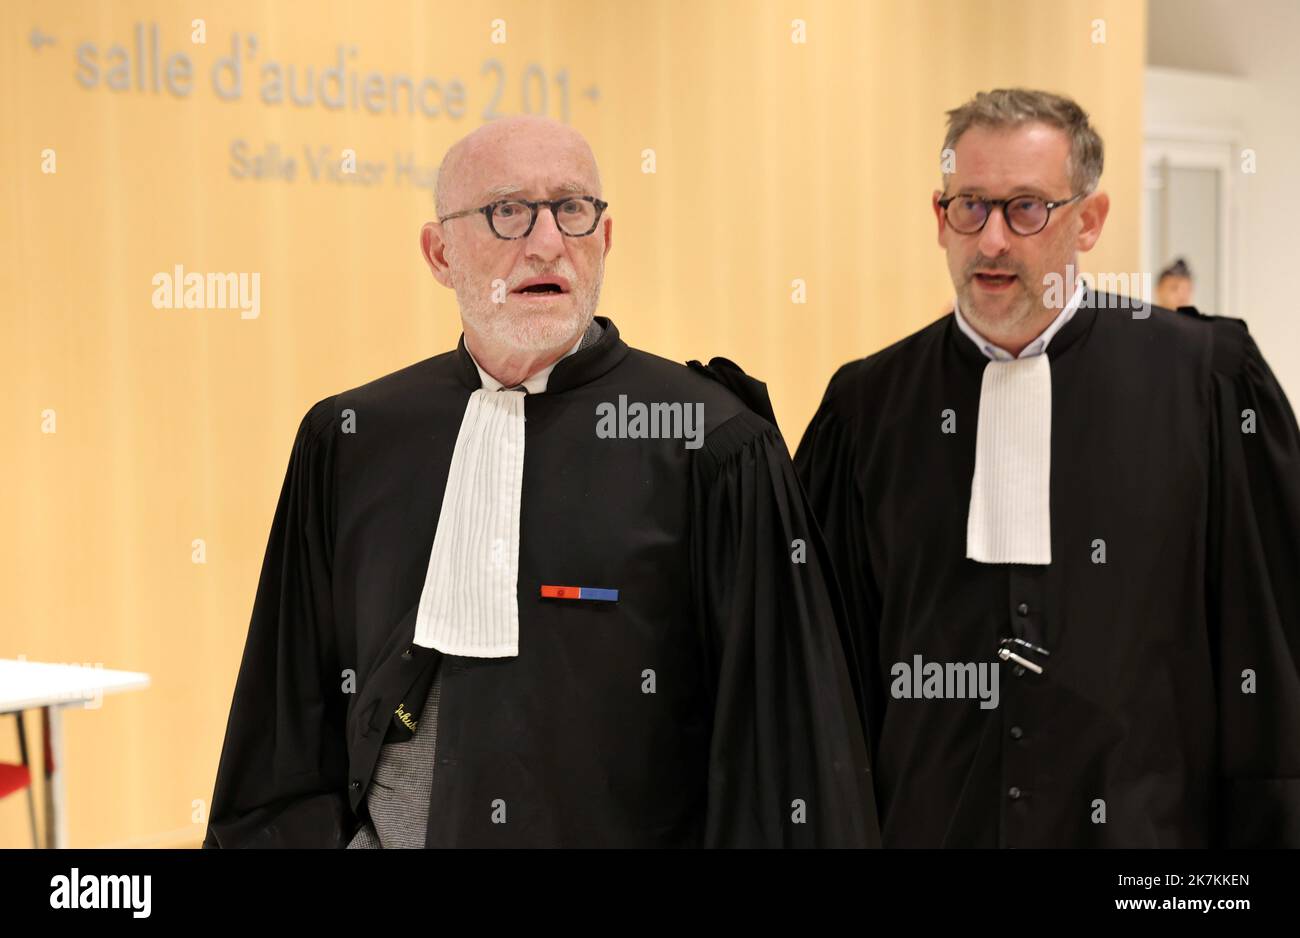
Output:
x,y
524,299
510,155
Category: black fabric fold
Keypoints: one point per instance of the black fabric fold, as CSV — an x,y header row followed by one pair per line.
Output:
x,y
731,376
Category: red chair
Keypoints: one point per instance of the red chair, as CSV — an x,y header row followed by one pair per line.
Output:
x,y
17,777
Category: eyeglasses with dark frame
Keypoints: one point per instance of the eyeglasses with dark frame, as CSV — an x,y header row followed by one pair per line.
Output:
x,y
1024,214
575,215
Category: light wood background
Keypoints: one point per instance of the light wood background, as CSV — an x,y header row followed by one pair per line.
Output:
x,y
775,161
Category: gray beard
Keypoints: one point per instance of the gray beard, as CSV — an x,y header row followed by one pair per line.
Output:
x,y
526,333
1021,312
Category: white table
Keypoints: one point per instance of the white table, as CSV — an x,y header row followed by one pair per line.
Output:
x,y
31,685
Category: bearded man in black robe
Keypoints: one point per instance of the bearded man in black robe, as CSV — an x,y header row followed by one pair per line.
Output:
x,y
1067,526
544,589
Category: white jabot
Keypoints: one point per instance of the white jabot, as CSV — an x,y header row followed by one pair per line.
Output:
x,y
1010,503
469,605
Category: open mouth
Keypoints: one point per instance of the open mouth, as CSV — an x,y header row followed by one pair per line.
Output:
x,y
543,286
991,280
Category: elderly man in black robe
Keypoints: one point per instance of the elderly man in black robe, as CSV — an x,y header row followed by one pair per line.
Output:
x,y
544,589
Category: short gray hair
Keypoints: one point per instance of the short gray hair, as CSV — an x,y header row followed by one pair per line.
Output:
x,y
1011,107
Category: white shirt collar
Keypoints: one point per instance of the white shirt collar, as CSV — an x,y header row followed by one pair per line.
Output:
x,y
533,384
1036,347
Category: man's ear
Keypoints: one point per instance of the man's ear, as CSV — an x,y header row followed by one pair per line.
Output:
x,y
940,218
1092,216
434,249
609,234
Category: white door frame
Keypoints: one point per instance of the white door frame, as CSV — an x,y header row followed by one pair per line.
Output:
x,y
1198,148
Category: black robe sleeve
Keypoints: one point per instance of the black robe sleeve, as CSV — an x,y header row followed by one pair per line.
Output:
x,y
825,462
282,778
1254,604
788,764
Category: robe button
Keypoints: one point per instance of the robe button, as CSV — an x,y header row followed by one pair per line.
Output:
x,y
1016,732
1022,609
356,784
407,654
1013,793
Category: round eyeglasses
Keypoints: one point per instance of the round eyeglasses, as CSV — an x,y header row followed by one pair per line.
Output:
x,y
1024,214
575,215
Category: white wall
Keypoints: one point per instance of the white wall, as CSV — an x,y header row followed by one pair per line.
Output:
x,y
1257,42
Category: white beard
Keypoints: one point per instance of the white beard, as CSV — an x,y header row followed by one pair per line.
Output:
x,y
522,331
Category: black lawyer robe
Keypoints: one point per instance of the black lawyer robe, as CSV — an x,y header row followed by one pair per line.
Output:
x,y
1168,714
752,736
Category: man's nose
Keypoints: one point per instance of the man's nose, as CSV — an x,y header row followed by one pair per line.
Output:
x,y
544,242
994,238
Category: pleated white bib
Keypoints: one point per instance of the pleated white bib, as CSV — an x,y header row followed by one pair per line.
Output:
x,y
1010,517
469,605
470,602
